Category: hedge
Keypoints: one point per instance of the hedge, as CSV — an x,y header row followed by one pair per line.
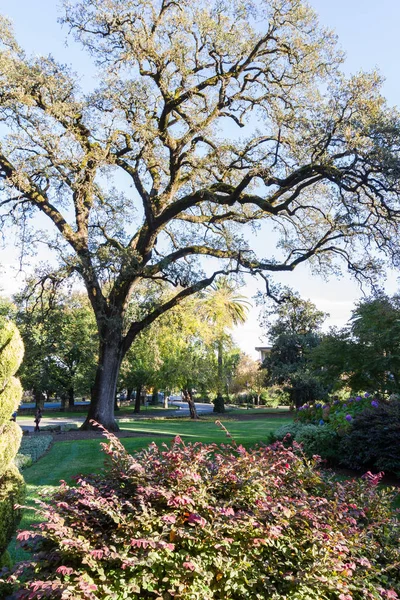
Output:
x,y
11,482
12,491
10,397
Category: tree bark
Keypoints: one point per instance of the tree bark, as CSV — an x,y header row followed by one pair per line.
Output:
x,y
101,407
137,399
129,394
187,394
220,375
166,398
39,399
63,402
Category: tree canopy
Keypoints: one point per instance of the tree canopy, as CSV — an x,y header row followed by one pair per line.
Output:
x,y
364,355
205,119
294,336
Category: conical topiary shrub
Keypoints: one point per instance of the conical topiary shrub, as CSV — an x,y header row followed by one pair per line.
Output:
x,y
11,481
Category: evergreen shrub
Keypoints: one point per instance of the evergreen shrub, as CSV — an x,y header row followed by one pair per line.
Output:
x,y
195,521
11,482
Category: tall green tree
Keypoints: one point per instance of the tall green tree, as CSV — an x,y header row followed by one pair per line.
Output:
x,y
294,335
177,86
188,357
364,355
225,308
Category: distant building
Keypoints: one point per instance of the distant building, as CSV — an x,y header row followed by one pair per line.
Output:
x,y
263,351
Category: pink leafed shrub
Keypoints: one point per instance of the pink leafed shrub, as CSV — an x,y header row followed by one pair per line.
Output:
x,y
195,521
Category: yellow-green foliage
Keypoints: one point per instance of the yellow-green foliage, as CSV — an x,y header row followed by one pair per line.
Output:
x,y
11,482
10,397
10,440
11,350
12,490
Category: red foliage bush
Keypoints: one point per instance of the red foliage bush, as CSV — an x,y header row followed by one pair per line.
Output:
x,y
195,521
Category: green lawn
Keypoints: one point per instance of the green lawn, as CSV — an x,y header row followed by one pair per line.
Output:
x,y
261,410
244,432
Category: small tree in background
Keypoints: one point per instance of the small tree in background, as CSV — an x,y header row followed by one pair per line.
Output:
x,y
11,482
225,308
248,377
140,365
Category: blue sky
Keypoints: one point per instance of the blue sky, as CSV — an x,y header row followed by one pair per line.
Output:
x,y
368,34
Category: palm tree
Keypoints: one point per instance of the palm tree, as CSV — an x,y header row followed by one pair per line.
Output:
x,y
225,308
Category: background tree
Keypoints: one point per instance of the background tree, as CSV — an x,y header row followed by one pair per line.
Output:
x,y
248,378
188,357
59,333
225,308
364,355
293,336
319,162
139,369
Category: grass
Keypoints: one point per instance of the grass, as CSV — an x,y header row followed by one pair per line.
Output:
x,y
247,433
261,410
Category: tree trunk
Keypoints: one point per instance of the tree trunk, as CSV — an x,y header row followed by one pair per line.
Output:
x,y
101,407
39,399
220,376
71,397
137,399
166,398
63,402
187,394
129,394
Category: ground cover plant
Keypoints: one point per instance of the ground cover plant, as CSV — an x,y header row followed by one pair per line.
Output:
x,y
31,449
206,521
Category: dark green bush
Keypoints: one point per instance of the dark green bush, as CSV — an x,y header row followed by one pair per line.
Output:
x,y
319,440
219,404
374,439
11,493
290,429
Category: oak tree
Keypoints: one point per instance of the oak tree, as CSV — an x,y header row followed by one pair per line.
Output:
x,y
207,118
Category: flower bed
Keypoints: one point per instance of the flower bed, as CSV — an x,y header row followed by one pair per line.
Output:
x,y
213,522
